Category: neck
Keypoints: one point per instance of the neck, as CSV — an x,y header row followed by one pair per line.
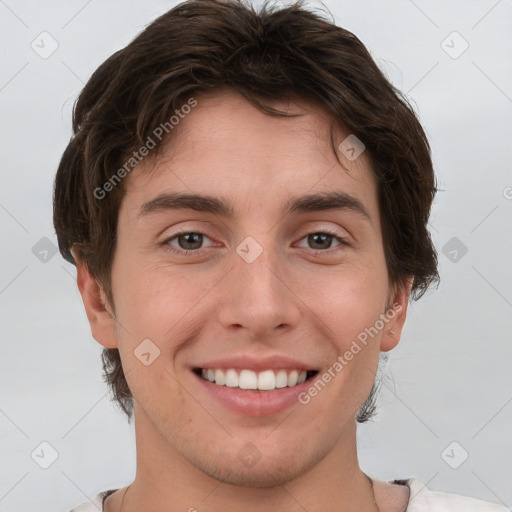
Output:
x,y
166,481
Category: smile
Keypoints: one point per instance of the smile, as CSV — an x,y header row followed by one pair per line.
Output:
x,y
254,384
246,379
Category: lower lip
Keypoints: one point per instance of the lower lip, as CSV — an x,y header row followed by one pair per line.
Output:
x,y
254,402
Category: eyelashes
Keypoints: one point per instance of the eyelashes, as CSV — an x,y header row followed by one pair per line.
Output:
x,y
331,236
341,240
170,248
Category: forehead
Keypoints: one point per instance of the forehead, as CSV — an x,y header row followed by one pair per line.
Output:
x,y
228,147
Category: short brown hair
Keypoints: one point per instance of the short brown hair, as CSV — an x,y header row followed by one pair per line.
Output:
x,y
270,54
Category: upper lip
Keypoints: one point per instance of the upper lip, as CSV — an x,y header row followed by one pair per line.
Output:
x,y
257,364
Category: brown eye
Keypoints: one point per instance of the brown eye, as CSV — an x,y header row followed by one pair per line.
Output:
x,y
185,243
190,241
320,240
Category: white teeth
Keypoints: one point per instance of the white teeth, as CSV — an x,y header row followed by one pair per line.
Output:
x,y
247,379
231,379
281,379
266,380
220,378
292,378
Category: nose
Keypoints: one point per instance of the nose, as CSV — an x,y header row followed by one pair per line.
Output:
x,y
258,295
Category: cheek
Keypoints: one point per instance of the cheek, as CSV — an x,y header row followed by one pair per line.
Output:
x,y
351,301
160,303
145,295
156,299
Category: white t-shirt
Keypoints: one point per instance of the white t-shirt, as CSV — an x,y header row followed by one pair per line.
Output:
x,y
421,500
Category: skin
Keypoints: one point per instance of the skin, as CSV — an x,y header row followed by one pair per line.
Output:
x,y
213,304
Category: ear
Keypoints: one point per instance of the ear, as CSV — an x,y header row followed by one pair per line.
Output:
x,y
395,316
100,315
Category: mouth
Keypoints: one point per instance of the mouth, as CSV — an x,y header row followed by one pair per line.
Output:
x,y
254,385
249,380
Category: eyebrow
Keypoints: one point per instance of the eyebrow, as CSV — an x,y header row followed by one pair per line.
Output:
x,y
220,206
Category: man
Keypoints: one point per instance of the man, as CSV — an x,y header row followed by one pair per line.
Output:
x,y
246,200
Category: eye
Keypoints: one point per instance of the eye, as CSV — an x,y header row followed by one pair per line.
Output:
x,y
321,241
190,242
187,242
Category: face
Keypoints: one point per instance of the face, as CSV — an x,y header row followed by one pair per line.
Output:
x,y
255,286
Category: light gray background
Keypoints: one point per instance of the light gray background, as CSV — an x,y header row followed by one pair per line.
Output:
x,y
449,379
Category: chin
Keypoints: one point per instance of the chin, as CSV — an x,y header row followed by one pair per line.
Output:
x,y
267,471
